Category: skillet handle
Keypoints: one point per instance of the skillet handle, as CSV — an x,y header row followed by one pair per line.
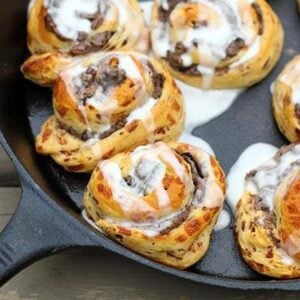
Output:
x,y
35,231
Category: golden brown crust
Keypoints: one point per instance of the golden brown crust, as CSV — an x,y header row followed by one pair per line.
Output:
x,y
268,237
62,136
284,106
44,69
247,73
186,240
41,38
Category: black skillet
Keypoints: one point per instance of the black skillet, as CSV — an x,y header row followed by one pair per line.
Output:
x,y
48,218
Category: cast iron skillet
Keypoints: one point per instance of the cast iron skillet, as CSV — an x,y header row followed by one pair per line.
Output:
x,y
48,218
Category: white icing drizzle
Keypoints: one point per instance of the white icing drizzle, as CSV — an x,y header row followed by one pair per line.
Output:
x,y
212,195
68,16
146,9
147,162
222,23
144,114
163,151
30,5
93,145
269,175
127,64
104,102
223,221
286,258
122,193
203,106
272,87
147,172
266,180
93,224
191,139
251,158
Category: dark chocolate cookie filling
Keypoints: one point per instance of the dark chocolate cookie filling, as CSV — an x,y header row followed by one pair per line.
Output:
x,y
92,78
96,20
234,47
87,44
86,135
260,18
158,81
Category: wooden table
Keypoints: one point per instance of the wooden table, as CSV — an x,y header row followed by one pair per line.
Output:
x,y
92,274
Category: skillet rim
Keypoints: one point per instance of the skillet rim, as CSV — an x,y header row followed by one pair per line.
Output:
x,y
97,240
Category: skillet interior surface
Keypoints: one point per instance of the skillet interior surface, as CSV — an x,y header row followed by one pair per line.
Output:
x,y
25,106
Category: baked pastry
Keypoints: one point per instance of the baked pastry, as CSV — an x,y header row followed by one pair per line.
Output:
x,y
216,44
44,69
83,26
286,100
268,216
161,200
108,103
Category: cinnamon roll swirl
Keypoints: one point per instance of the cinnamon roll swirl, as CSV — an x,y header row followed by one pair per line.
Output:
x,y
268,216
286,100
160,200
216,44
83,26
108,103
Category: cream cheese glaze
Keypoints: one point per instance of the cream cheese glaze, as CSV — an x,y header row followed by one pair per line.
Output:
x,y
223,220
103,100
201,106
68,15
251,158
268,183
268,176
147,164
72,17
219,24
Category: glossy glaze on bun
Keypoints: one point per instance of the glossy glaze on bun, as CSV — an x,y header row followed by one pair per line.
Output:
x,y
83,26
216,44
268,216
160,200
109,103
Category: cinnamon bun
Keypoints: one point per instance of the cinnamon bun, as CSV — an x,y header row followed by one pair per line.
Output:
x,y
83,26
109,103
216,44
160,200
286,100
268,216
